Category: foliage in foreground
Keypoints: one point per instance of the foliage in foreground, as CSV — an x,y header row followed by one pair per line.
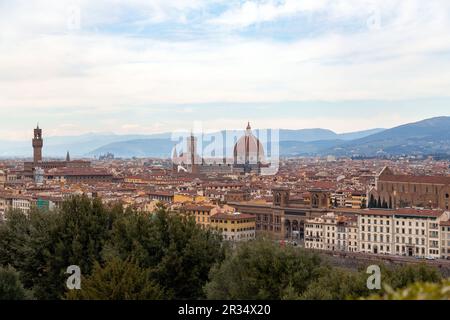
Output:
x,y
174,251
118,280
264,270
418,291
124,254
11,287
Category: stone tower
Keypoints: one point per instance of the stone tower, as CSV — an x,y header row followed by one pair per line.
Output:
x,y
320,199
38,143
280,197
192,147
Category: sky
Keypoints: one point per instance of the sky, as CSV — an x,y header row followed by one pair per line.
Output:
x,y
135,66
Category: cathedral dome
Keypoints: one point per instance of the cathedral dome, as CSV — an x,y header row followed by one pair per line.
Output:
x,y
248,149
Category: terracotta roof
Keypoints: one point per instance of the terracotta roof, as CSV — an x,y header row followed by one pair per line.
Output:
x,y
239,216
160,193
416,179
78,172
403,212
198,207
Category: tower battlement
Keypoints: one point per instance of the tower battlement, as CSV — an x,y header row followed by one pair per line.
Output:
x,y
38,143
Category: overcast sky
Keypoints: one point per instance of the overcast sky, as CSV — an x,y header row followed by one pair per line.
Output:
x,y
136,66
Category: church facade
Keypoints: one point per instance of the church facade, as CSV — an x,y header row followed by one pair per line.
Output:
x,y
393,191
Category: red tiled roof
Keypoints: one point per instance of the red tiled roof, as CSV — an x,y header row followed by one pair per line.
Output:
x,y
240,216
402,212
78,172
416,179
160,193
198,208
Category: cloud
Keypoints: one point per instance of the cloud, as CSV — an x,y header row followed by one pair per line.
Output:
x,y
250,12
111,65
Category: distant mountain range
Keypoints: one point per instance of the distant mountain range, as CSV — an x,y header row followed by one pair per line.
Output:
x,y
427,137
154,145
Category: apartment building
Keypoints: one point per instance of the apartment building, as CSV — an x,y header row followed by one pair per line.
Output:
x,y
5,204
402,232
332,232
15,201
22,203
445,239
201,213
235,226
357,200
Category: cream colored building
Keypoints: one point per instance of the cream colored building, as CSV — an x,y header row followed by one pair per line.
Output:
x,y
2,179
445,239
234,226
332,232
5,204
402,232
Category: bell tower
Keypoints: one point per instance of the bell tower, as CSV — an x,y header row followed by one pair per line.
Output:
x,y
280,197
38,143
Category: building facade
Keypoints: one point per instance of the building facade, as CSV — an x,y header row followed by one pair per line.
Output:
x,y
403,191
402,232
332,232
235,226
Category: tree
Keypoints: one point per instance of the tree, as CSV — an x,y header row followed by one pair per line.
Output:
x,y
83,226
117,280
262,270
24,240
372,202
418,291
178,253
41,245
338,284
402,276
10,286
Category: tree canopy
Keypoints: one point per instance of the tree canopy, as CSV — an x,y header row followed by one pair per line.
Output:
x,y
124,254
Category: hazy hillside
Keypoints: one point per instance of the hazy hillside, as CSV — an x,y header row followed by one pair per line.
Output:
x,y
292,142
431,136
310,135
97,143
159,148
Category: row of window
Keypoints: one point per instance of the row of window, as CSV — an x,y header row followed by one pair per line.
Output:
x,y
231,222
236,230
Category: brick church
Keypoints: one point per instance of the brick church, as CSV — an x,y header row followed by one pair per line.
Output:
x,y
401,191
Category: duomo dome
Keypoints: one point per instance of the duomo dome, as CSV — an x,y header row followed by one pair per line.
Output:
x,y
248,149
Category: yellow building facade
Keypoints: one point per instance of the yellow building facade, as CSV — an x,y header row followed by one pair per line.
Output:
x,y
235,226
